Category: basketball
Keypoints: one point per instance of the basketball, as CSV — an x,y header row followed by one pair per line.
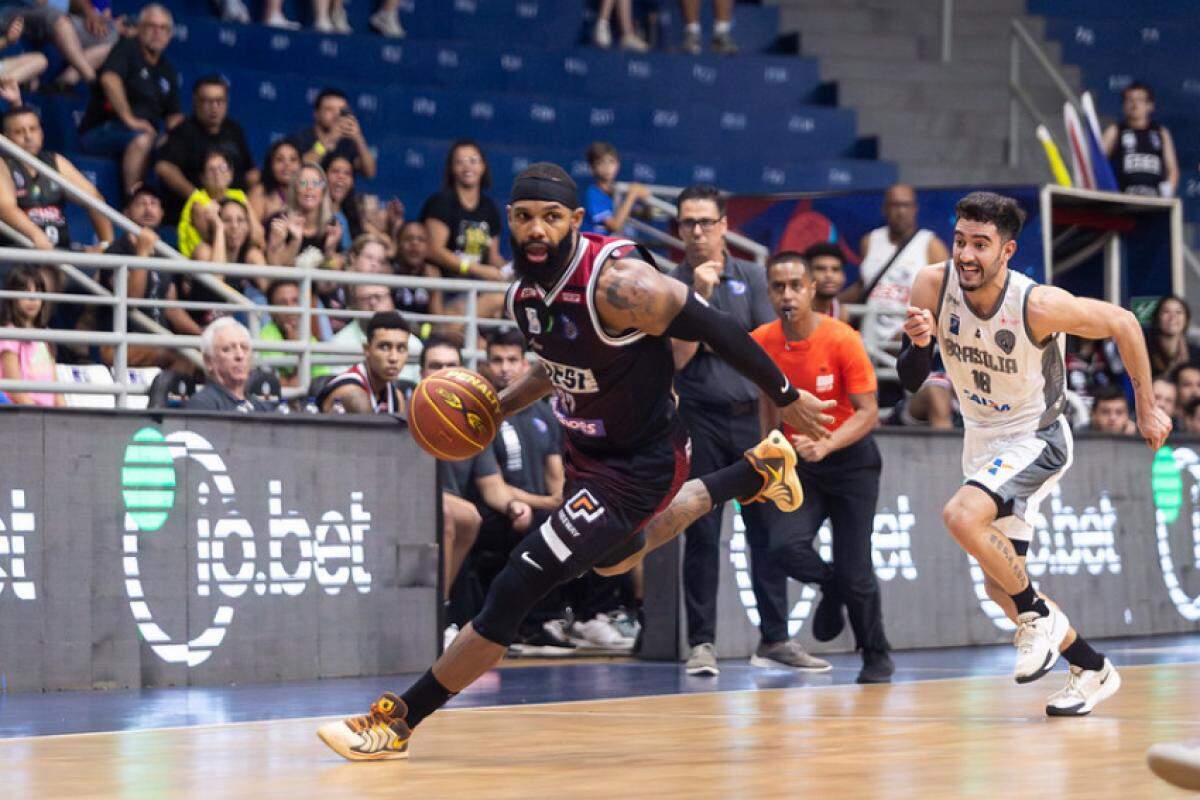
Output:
x,y
454,414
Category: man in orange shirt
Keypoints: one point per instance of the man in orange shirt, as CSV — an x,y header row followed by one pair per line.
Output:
x,y
840,474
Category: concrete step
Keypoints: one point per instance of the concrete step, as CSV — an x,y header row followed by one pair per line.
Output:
x,y
890,46
994,49
922,97
952,150
927,23
835,68
929,174
921,7
887,122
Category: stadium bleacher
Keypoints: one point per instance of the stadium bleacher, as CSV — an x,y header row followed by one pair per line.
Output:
x,y
747,123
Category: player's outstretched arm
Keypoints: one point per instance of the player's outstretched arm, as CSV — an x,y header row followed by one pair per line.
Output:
x,y
1052,310
633,294
525,390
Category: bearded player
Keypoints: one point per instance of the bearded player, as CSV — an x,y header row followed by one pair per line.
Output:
x,y
600,320
1001,340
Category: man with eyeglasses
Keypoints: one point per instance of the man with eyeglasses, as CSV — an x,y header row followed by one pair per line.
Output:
x,y
181,160
135,98
720,407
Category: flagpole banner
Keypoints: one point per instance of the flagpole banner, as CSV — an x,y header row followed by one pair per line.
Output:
x,y
145,550
1116,544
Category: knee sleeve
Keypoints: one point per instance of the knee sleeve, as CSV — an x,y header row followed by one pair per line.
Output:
x,y
531,573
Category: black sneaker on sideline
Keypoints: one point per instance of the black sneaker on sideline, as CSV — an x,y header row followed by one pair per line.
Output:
x,y
877,667
828,620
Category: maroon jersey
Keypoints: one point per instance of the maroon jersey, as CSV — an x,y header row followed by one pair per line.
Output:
x,y
612,393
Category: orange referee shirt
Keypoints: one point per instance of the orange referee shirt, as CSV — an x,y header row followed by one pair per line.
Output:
x,y
831,363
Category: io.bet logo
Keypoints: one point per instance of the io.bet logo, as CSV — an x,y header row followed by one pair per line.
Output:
x,y
332,551
1166,481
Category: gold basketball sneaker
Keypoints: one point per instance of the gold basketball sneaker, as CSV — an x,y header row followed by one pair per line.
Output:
x,y
774,459
375,736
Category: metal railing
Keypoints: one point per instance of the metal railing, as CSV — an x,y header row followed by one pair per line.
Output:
x,y
1019,96
303,353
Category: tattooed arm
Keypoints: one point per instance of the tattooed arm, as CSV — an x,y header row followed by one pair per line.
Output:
x,y
633,294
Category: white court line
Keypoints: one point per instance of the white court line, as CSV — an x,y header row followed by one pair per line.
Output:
x,y
527,706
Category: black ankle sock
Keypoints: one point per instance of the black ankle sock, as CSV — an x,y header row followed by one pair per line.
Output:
x,y
423,698
1080,654
1028,600
736,481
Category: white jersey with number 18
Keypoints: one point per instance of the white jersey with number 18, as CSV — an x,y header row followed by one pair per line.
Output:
x,y
1007,384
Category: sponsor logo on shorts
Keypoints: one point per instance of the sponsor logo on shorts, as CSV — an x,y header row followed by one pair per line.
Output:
x,y
583,505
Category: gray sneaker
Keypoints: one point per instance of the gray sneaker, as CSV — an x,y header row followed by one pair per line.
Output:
x,y
703,661
787,655
724,45
691,43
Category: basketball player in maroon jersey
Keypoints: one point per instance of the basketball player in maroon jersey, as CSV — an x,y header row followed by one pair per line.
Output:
x,y
600,320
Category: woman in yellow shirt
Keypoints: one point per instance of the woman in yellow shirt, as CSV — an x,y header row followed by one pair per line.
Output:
x,y
215,179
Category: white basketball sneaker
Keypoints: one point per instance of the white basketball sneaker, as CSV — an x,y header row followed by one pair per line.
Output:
x,y
1085,689
1038,640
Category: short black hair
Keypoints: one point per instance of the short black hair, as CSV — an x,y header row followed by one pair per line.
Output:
x,y
824,250
1136,85
326,93
485,180
276,285
1003,212
211,79
1175,373
598,150
386,321
701,191
438,340
17,111
141,189
787,257
509,337
1108,393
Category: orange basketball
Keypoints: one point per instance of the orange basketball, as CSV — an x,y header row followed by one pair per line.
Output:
x,y
454,414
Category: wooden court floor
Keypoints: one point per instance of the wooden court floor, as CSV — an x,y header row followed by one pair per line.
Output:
x,y
958,738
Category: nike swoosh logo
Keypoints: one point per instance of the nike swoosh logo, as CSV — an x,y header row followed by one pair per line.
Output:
x,y
787,384
528,559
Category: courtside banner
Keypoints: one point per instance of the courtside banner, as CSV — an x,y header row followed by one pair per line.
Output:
x,y
154,550
1117,544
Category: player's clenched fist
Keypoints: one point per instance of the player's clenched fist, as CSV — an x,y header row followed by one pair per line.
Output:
x,y
919,326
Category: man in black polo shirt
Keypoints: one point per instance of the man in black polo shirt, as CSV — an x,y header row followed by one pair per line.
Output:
x,y
226,348
209,128
720,407
335,130
136,95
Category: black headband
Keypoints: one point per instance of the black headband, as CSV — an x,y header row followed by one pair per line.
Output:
x,y
535,187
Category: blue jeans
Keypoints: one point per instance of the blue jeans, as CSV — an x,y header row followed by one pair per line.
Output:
x,y
108,139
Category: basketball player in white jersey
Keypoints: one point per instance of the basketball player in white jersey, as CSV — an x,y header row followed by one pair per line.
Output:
x,y
1001,340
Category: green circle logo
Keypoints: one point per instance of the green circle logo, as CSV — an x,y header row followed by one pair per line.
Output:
x,y
1166,482
148,480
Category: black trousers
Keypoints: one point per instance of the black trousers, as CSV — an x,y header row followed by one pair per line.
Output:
x,y
718,439
843,488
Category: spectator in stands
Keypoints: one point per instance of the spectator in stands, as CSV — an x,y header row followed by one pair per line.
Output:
x,y
22,67
35,204
1142,151
412,258
827,265
280,166
339,171
84,36
602,33
135,99
145,208
335,130
375,299
722,38
183,159
891,256
1165,395
27,360
1191,417
306,225
1110,412
195,227
605,163
369,386
465,483
225,345
386,20
1187,384
719,405
1167,338
286,327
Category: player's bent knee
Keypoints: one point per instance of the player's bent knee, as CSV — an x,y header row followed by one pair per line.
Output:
x,y
531,573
